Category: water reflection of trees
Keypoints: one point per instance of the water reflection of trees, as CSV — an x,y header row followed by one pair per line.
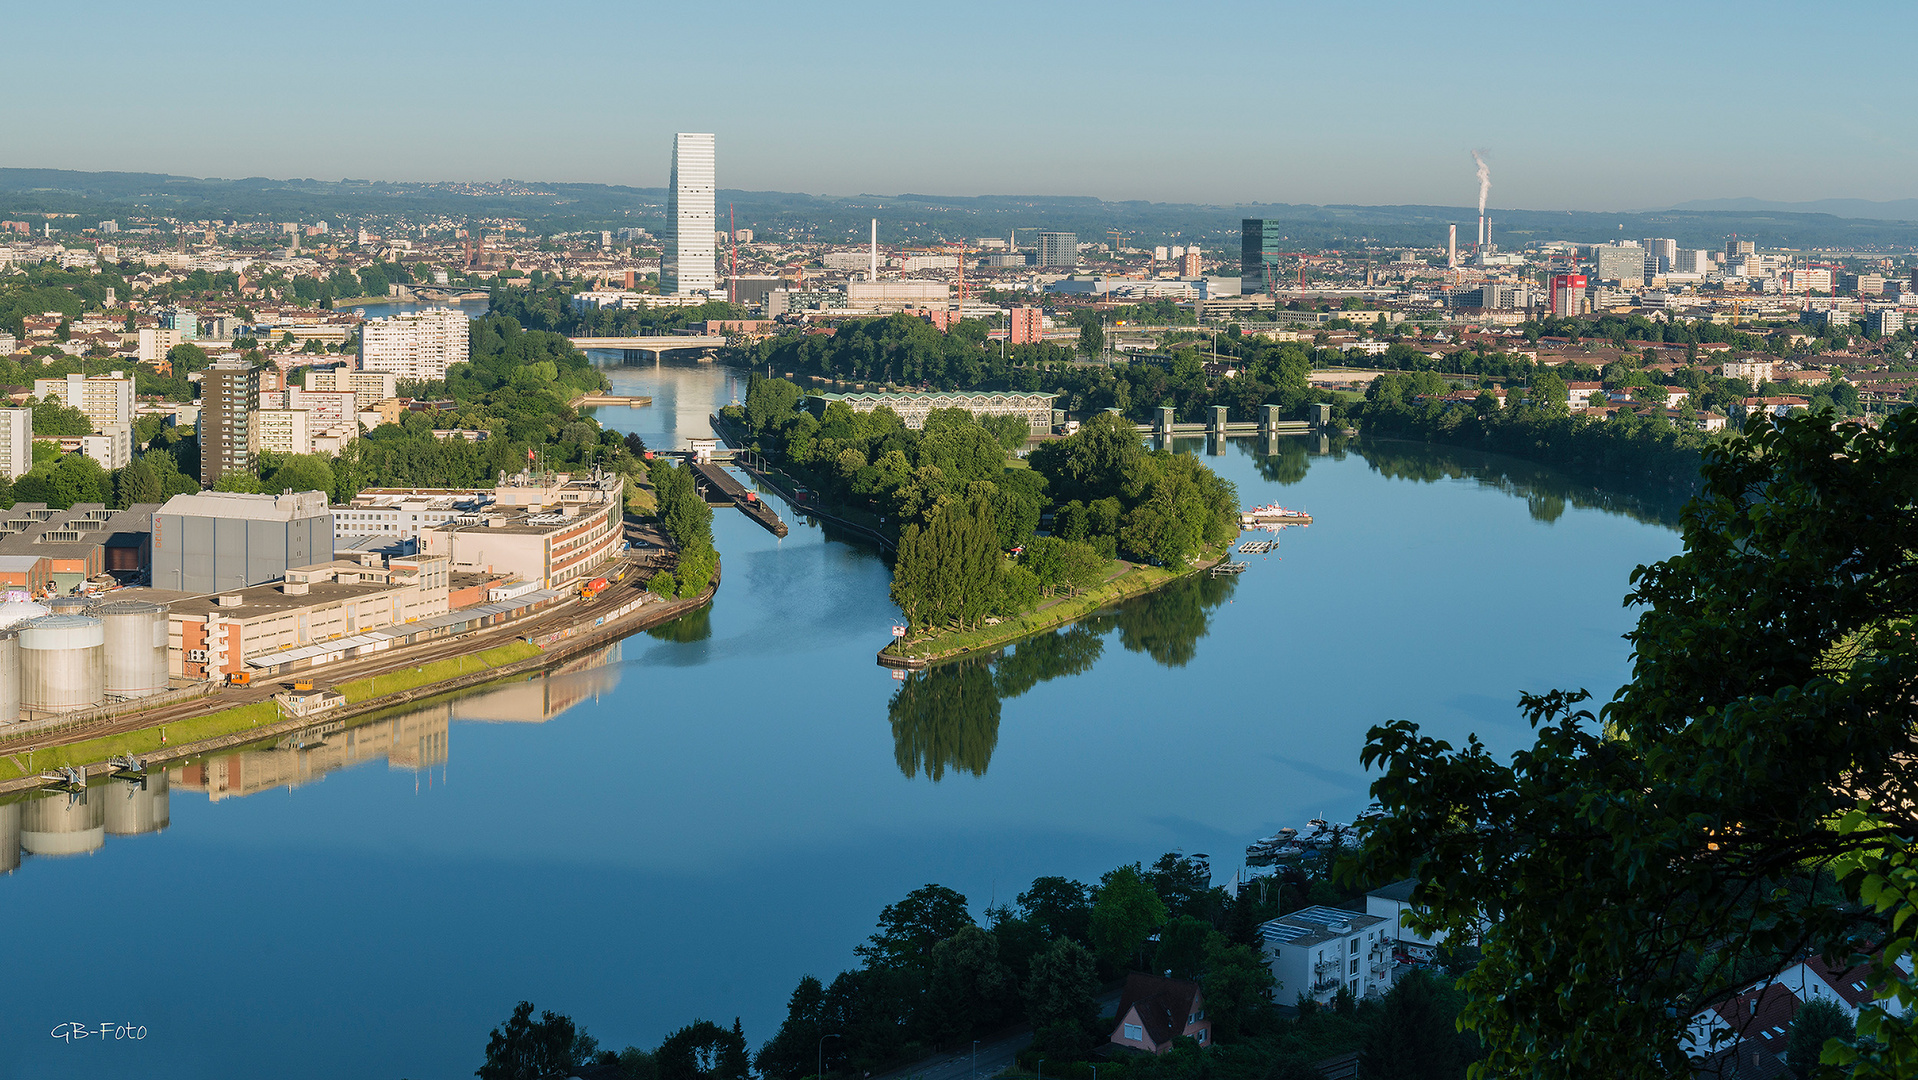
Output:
x,y
947,717
1547,491
695,625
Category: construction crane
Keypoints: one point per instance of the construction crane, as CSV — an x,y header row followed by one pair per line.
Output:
x,y
1118,241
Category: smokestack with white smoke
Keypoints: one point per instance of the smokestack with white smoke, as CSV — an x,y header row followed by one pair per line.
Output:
x,y
1484,191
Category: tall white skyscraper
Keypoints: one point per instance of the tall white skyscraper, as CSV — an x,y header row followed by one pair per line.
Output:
x,y
689,265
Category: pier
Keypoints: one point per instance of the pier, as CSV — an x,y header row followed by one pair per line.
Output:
x,y
718,488
636,401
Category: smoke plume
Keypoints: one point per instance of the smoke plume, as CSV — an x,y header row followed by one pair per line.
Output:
x,y
1484,180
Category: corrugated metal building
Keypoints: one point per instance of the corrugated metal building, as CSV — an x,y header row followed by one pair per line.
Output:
x,y
218,540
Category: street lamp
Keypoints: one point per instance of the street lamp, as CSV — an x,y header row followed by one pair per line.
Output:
x,y
975,1060
821,1064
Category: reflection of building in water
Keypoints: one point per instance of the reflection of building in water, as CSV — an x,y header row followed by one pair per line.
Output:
x,y
133,808
56,823
545,696
9,837
63,824
415,741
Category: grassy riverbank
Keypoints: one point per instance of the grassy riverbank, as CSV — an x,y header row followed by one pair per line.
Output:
x,y
242,718
1136,580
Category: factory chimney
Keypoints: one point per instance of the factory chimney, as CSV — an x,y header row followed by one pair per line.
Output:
x,y
1451,246
872,273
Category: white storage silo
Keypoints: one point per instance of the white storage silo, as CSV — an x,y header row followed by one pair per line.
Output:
x,y
62,664
9,676
135,633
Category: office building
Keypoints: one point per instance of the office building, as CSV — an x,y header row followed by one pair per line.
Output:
x,y
1693,261
220,540
1735,248
1261,249
416,347
547,530
1568,295
181,321
105,399
1618,262
366,386
689,263
16,442
1059,249
1661,255
401,514
229,393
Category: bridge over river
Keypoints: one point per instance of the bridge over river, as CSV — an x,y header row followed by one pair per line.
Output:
x,y
657,345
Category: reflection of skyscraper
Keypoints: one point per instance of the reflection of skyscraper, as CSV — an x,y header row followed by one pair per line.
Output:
x,y
689,263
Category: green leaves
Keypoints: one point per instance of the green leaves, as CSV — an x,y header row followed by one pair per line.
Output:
x,y
1744,800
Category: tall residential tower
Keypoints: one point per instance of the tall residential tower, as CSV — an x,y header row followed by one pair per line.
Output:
x,y
689,263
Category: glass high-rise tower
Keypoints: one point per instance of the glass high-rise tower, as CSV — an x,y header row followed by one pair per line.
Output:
x,y
689,263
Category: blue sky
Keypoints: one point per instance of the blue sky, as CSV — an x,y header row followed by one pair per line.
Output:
x,y
1588,106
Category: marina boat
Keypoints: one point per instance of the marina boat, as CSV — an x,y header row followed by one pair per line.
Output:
x,y
1272,516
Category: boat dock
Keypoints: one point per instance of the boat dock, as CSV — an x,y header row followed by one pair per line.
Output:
x,y
636,401
1258,547
1225,568
718,488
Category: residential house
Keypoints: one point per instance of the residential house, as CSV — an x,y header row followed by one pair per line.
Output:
x,y
1579,394
1153,1011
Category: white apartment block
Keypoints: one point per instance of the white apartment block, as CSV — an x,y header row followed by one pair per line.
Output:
x,y
328,408
1317,951
690,261
365,385
111,446
154,343
281,431
418,346
106,400
16,442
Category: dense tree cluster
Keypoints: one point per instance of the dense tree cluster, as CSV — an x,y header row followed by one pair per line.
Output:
x,y
947,492
548,306
688,521
1747,798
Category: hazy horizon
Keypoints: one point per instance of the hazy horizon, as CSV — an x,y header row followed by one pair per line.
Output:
x,y
1628,106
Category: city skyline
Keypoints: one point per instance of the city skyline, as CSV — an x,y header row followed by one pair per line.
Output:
x,y
1341,114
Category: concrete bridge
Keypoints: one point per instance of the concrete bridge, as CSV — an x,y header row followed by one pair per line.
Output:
x,y
630,348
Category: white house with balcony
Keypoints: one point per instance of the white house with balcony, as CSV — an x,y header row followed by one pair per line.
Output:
x,y
1315,952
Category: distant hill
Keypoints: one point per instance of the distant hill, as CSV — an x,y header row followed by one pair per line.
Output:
x,y
1894,210
548,208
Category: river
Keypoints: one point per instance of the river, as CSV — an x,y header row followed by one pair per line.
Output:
x,y
682,825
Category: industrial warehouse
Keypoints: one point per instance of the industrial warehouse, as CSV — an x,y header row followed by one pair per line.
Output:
x,y
104,607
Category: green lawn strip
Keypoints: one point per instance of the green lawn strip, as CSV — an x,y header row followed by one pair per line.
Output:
x,y
143,742
1138,580
242,717
394,682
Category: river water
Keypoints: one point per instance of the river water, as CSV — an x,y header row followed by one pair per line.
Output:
x,y
685,823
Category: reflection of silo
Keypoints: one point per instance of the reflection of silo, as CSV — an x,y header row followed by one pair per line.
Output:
x,y
135,635
62,663
133,809
9,838
9,676
67,605
64,824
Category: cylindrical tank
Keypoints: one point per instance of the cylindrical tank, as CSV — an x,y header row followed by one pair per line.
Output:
x,y
9,676
135,634
133,809
67,605
9,837
15,612
63,664
64,824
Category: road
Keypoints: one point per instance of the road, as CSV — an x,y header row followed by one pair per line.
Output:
x,y
994,1056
